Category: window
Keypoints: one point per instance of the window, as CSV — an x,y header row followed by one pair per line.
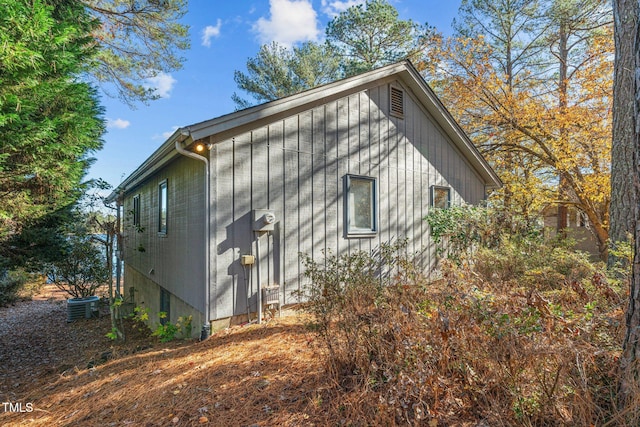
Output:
x,y
440,197
162,207
165,306
582,221
396,102
360,206
136,210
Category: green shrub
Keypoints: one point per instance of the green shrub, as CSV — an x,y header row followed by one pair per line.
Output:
x,y
81,269
459,231
10,284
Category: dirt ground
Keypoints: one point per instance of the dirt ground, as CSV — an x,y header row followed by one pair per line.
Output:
x,y
54,373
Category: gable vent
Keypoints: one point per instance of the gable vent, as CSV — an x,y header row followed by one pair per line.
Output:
x,y
397,102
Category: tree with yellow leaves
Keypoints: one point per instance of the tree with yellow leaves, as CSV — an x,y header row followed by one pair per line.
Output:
x,y
531,84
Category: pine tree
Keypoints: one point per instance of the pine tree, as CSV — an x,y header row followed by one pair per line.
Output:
x,y
50,120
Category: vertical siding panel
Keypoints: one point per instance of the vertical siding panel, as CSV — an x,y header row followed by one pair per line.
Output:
x,y
414,146
260,198
365,139
365,151
291,194
403,175
306,181
276,197
319,184
374,152
243,236
214,237
353,131
224,231
410,213
385,166
342,167
419,190
404,178
394,185
433,153
332,179
353,161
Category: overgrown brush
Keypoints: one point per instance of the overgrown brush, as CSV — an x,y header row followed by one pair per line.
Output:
x,y
469,346
533,262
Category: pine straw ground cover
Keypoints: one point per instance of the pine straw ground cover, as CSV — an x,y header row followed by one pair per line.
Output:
x,y
253,375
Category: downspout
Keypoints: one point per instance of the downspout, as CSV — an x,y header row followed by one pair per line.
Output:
x,y
185,134
118,245
259,296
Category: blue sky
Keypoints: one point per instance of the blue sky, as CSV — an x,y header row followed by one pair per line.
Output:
x,y
223,35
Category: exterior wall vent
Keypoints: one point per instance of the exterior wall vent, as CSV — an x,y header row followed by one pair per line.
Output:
x,y
396,102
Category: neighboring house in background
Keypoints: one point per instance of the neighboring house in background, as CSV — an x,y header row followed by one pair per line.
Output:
x,y
341,167
578,227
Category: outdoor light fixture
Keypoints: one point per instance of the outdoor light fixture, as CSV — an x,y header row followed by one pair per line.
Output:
x,y
201,146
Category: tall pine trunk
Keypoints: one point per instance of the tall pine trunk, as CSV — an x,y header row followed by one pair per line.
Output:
x,y
621,211
630,359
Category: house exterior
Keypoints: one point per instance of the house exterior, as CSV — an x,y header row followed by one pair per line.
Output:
x,y
224,207
578,227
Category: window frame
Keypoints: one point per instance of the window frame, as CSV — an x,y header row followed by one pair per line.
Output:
x,y
435,188
353,232
163,204
136,210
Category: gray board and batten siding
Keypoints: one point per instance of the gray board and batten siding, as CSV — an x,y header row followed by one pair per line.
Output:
x,y
292,156
173,259
296,167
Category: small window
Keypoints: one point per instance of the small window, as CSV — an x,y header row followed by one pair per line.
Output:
x,y
165,306
360,206
162,207
583,221
397,102
136,210
440,197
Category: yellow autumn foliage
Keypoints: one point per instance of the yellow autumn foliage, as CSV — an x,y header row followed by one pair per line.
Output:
x,y
532,133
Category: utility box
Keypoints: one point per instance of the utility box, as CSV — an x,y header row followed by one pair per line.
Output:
x,y
263,220
247,260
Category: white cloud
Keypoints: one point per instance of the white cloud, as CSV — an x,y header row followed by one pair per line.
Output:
x,y
334,8
209,32
162,83
291,21
165,135
118,123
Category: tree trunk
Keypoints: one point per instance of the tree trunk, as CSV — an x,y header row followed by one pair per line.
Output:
x,y
629,361
621,211
563,52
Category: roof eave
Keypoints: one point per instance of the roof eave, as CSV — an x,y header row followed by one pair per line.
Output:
x,y
225,126
451,126
163,155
